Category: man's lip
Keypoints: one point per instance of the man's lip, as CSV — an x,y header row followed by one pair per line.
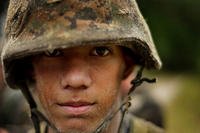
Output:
x,y
76,108
76,104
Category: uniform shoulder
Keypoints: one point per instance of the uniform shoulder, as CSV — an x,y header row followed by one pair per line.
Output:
x,y
143,126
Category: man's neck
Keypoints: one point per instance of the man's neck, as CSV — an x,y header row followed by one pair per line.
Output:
x,y
113,126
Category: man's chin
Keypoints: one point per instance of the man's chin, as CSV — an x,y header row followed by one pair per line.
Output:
x,y
76,130
76,126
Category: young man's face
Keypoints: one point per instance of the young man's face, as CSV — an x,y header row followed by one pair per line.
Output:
x,y
79,87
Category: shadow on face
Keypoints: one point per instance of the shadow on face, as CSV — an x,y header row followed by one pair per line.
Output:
x,y
80,86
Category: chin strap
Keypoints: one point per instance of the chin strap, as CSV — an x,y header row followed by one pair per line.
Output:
x,y
137,81
32,105
124,106
37,116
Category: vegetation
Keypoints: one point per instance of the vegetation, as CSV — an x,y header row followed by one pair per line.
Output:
x,y
182,115
175,28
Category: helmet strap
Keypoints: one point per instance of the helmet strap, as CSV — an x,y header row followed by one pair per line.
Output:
x,y
124,107
32,105
136,82
36,115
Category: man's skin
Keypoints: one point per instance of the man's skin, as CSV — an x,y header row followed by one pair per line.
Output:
x,y
3,130
80,86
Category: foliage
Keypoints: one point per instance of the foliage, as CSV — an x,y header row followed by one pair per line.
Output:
x,y
175,28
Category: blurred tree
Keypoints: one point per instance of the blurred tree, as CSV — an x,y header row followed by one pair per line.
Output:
x,y
176,31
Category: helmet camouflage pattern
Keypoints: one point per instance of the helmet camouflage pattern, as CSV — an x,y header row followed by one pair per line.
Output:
x,y
34,26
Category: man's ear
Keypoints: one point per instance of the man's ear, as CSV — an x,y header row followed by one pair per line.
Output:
x,y
126,84
128,75
129,65
128,71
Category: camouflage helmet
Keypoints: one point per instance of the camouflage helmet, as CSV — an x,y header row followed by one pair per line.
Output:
x,y
34,26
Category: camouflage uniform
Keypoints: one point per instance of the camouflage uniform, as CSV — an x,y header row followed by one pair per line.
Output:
x,y
138,125
35,26
131,124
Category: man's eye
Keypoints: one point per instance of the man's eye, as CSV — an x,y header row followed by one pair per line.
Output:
x,y
101,51
53,53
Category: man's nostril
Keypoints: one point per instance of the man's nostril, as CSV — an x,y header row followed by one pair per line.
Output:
x,y
77,79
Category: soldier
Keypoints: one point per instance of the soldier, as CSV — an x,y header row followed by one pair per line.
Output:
x,y
72,60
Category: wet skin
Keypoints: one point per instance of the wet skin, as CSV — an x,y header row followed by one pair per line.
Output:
x,y
78,87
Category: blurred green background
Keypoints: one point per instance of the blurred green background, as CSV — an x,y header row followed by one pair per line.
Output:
x,y
175,28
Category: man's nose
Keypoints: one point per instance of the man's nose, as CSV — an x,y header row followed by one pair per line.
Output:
x,y
76,74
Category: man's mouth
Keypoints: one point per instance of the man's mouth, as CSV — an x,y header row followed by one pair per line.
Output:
x,y
76,108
